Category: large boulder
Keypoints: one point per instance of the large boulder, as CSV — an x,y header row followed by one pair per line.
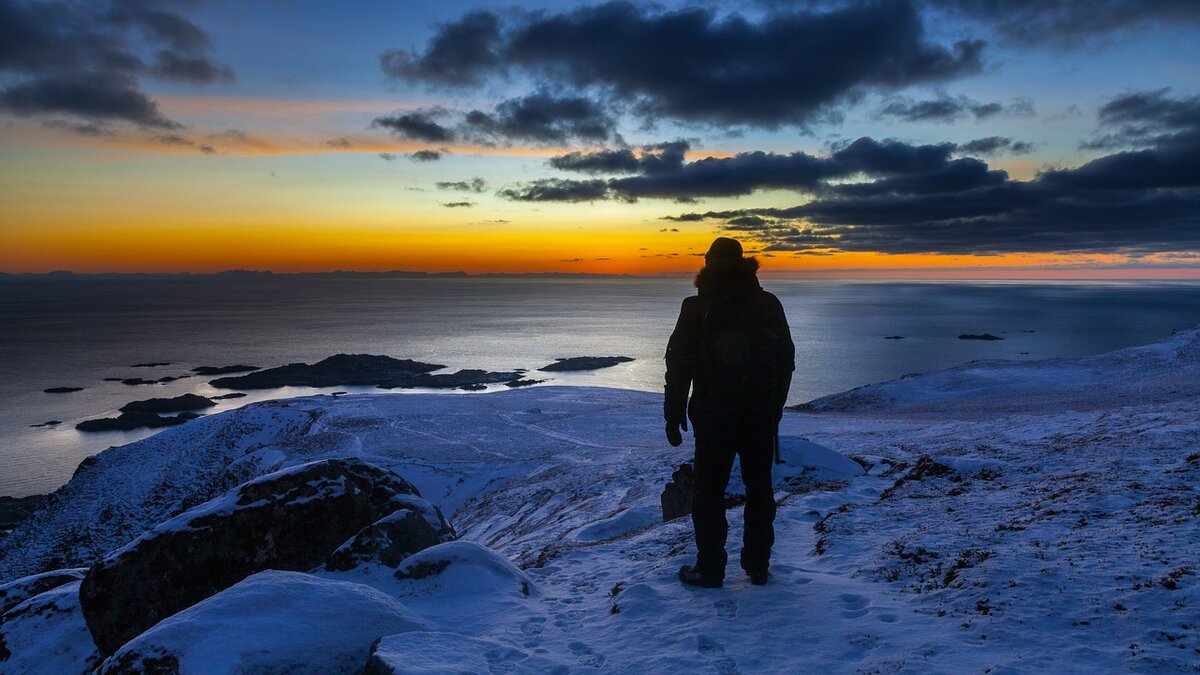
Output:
x,y
292,519
464,587
47,634
272,622
388,541
19,590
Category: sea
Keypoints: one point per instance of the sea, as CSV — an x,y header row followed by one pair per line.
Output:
x,y
75,331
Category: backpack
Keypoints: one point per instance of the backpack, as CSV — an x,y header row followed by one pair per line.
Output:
x,y
739,353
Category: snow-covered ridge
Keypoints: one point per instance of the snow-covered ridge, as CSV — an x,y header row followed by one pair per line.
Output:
x,y
1029,517
1161,371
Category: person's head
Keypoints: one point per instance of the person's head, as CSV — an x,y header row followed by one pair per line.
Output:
x,y
723,252
725,267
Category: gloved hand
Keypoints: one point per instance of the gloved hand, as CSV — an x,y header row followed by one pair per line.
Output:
x,y
674,437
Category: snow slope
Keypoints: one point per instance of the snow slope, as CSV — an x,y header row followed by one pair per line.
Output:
x,y
1011,518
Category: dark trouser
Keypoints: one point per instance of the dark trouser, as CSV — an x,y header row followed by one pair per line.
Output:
x,y
715,451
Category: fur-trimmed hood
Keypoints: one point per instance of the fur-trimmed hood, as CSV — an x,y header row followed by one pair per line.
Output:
x,y
739,276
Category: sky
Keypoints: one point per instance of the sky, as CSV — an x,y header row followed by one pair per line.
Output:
x,y
896,138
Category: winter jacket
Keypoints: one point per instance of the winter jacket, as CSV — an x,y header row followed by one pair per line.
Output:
x,y
726,294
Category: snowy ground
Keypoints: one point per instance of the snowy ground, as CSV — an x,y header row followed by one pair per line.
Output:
x,y
1054,529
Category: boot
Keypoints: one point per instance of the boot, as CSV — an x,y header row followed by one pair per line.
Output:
x,y
691,576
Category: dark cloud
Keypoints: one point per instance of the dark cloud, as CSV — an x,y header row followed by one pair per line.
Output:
x,y
81,128
182,141
177,67
995,145
788,67
1146,118
536,118
425,156
458,205
664,175
473,185
418,125
96,98
341,143
656,158
1068,23
86,59
459,53
558,190
950,108
174,139
543,118
388,156
1133,202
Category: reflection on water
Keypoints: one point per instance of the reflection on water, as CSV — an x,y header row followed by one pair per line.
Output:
x,y
77,332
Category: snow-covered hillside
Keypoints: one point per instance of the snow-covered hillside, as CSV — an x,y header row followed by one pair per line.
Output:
x,y
1033,517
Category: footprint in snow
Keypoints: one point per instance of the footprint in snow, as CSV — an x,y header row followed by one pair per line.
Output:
x,y
726,608
854,606
586,655
707,645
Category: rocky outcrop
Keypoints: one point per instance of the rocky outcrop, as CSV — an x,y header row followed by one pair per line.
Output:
x,y
14,510
981,336
678,494
15,592
47,634
584,363
455,561
224,370
389,540
62,390
128,421
523,382
291,520
272,622
184,403
338,370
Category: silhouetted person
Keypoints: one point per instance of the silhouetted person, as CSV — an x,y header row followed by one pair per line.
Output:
x,y
732,347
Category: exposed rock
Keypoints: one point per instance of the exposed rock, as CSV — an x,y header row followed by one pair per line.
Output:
x,y
224,370
461,379
339,370
389,540
222,397
926,467
151,364
440,582
135,381
473,387
13,510
584,363
62,390
47,634
292,519
894,337
469,561
437,652
678,494
182,403
15,592
523,382
49,423
127,421
983,336
272,622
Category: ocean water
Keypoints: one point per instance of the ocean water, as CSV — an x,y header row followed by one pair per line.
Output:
x,y
76,332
